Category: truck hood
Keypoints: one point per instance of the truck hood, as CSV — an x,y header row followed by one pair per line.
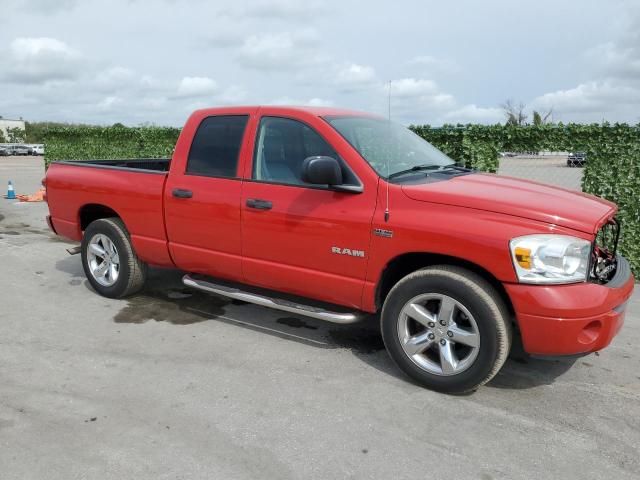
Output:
x,y
521,198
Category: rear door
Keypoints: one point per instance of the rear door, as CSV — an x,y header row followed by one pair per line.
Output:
x,y
300,238
202,197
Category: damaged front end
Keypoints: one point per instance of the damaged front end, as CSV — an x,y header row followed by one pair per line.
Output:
x,y
604,260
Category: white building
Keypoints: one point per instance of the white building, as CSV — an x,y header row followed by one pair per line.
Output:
x,y
6,123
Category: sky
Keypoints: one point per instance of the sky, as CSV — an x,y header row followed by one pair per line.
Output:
x,y
154,61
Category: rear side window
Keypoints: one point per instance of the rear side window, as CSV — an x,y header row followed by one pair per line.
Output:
x,y
216,146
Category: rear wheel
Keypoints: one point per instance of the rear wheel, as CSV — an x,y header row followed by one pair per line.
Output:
x,y
109,261
447,328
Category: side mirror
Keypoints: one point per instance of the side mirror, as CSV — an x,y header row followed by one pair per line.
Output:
x,y
322,171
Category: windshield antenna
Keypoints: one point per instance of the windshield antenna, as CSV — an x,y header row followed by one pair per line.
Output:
x,y
386,210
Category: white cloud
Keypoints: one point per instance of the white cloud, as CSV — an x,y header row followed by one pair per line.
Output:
x,y
352,75
114,78
263,49
591,101
269,50
473,114
420,100
153,103
196,87
233,94
319,102
413,87
613,92
149,82
42,59
279,51
109,103
419,93
312,102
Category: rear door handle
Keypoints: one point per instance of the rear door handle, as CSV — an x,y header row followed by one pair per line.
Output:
x,y
259,204
181,193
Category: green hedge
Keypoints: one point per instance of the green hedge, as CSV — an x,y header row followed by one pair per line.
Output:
x,y
612,170
84,143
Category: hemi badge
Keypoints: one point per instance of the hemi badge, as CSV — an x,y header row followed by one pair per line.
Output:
x,y
381,232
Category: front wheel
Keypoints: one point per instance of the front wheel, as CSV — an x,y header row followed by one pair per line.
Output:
x,y
447,328
109,260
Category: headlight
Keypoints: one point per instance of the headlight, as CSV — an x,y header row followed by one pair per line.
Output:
x,y
550,258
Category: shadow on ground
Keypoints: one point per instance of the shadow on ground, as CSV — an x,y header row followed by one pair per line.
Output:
x,y
165,299
519,373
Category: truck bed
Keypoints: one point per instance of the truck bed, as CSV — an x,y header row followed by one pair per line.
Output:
x,y
159,165
132,188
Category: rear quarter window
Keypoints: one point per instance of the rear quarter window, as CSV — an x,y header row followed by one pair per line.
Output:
x,y
216,146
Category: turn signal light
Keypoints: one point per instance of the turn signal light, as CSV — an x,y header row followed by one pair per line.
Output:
x,y
523,257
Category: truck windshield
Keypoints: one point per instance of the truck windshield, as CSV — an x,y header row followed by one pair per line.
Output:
x,y
389,147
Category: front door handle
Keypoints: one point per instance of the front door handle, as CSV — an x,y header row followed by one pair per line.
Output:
x,y
259,204
182,193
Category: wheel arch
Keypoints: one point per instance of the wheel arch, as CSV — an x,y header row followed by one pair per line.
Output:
x,y
406,263
91,212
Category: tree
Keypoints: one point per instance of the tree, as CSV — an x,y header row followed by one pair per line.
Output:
x,y
514,113
16,135
537,119
2,137
542,119
34,132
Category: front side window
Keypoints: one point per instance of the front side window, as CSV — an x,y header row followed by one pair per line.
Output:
x,y
216,146
281,148
389,147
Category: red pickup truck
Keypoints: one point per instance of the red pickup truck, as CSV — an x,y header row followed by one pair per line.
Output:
x,y
336,214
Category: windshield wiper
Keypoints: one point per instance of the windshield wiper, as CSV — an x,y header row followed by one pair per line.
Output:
x,y
418,168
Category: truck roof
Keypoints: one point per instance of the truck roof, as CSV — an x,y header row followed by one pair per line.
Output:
x,y
312,110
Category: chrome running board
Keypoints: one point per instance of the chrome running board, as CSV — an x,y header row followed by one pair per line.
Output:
x,y
270,302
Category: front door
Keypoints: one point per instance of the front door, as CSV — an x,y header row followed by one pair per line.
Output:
x,y
202,199
300,238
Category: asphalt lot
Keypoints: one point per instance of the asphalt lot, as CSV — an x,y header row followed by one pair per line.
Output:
x,y
550,169
178,384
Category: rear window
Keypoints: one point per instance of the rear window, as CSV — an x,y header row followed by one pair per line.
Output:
x,y
216,146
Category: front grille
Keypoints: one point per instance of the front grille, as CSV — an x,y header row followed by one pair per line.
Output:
x,y
605,247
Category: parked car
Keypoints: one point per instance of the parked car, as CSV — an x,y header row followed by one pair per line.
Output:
x,y
576,159
336,215
18,150
35,149
38,150
4,152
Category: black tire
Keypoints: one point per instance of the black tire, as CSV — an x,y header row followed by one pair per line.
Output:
x,y
483,303
132,271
